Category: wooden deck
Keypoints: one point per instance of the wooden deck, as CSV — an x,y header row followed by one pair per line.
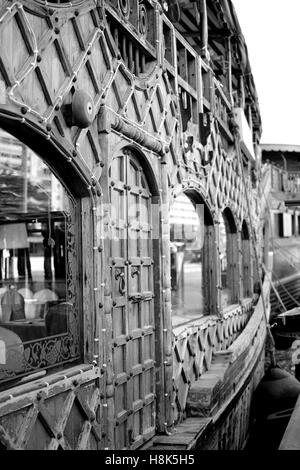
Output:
x,y
218,402
187,436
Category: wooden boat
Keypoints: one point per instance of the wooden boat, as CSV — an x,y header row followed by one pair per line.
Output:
x,y
128,107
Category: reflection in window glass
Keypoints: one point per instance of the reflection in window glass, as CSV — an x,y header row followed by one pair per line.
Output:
x,y
246,262
186,259
33,233
223,246
229,255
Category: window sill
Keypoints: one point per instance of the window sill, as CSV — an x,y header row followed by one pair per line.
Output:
x,y
230,309
40,384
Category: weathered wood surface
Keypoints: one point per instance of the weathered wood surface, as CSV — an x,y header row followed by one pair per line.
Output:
x,y
218,403
137,88
79,39
283,186
185,437
131,263
61,413
197,343
231,368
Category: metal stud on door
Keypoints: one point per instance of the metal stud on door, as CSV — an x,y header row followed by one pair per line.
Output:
x,y
133,307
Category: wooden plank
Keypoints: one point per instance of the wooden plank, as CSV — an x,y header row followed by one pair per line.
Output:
x,y
88,281
27,427
84,436
166,333
184,437
166,447
22,396
108,408
190,90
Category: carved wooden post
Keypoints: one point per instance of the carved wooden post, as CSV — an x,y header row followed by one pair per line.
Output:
x,y
104,135
159,317
218,276
166,295
87,267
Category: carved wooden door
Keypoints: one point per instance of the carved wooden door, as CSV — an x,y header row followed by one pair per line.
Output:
x,y
133,305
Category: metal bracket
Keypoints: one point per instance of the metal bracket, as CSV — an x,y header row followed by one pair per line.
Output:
x,y
135,272
119,274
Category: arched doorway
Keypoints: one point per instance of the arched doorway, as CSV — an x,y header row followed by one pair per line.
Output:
x,y
133,320
186,237
193,269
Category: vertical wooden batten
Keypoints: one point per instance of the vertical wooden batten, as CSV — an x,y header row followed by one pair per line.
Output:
x,y
167,335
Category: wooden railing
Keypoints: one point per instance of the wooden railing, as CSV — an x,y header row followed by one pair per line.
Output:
x,y
294,181
283,180
222,109
194,346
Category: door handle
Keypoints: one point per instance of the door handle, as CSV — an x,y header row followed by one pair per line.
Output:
x,y
135,273
121,276
136,297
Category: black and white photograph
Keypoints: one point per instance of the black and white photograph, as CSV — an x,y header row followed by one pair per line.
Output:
x,y
150,228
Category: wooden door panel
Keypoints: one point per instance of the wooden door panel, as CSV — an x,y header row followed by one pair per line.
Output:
x,y
133,304
118,224
118,209
147,278
148,314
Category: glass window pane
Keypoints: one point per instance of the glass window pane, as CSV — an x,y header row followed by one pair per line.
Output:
x,y
186,260
34,305
223,247
246,262
228,246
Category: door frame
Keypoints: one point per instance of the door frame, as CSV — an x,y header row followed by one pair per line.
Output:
x,y
159,311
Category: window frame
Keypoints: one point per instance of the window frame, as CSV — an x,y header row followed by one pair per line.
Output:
x,y
209,267
246,264
46,348
232,256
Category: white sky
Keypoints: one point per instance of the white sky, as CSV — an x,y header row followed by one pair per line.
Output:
x,y
272,32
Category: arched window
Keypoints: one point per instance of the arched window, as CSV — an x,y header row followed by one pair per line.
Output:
x,y
192,259
228,259
246,262
38,323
